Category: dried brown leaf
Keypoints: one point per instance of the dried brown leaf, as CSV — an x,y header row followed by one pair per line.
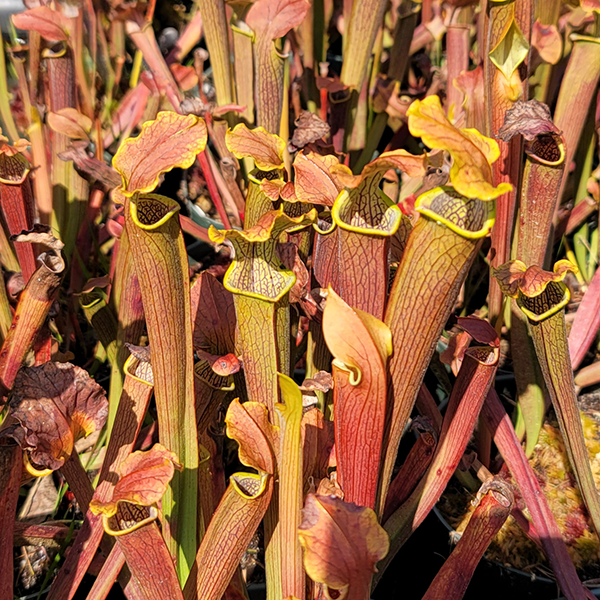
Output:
x,y
56,404
322,381
91,166
530,119
309,128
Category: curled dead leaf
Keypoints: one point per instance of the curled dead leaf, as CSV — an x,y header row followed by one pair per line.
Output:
x,y
322,381
530,119
309,128
141,368
39,234
56,404
91,166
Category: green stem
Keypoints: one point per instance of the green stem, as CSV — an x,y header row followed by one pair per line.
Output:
x,y
5,313
257,202
290,489
550,341
434,265
580,237
364,23
161,264
5,111
216,33
258,348
268,84
529,380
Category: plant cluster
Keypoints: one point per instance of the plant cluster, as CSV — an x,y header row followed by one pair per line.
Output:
x,y
247,253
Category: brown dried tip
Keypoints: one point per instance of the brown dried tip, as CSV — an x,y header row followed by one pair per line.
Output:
x,y
96,282
90,166
41,235
55,404
529,119
321,382
309,128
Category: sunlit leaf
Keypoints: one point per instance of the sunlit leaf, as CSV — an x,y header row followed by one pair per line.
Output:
x,y
52,25
361,345
471,84
56,404
315,183
342,543
256,271
471,218
496,498
363,207
412,165
290,484
472,153
547,40
71,123
511,50
253,437
272,19
144,478
265,148
228,535
342,325
170,141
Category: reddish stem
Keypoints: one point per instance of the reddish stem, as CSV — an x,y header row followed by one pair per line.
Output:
x,y
213,188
